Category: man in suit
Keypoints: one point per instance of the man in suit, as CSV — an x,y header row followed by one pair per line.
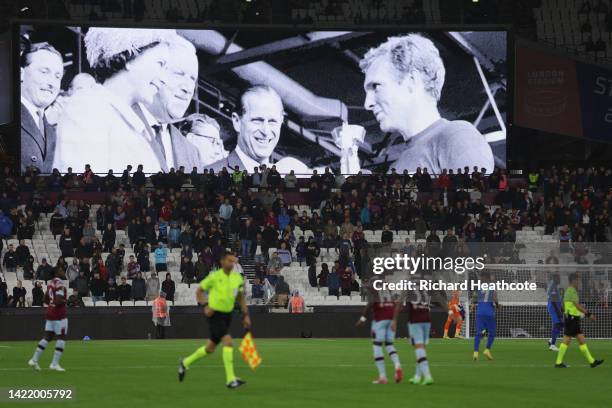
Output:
x,y
258,120
42,69
169,107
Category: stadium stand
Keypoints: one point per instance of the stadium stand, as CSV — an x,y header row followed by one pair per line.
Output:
x,y
545,216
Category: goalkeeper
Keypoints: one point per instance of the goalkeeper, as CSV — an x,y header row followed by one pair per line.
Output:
x,y
574,311
218,293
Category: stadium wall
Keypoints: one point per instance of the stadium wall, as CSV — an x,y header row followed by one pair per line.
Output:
x,y
105,323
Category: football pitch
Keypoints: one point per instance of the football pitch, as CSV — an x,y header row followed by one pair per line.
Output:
x,y
311,373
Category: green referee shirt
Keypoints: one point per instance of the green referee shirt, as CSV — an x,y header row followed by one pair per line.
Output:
x,y
569,302
222,289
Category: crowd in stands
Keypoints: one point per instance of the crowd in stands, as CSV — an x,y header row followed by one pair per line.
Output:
x,y
200,214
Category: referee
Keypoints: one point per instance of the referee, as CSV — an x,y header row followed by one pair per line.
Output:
x,y
218,293
574,311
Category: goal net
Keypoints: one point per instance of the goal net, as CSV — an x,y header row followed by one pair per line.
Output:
x,y
524,313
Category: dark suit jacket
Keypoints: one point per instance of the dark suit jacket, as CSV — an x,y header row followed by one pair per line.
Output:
x,y
33,149
185,154
230,162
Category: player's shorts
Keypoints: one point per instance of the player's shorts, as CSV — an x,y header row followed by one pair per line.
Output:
x,y
58,327
419,332
381,331
219,325
486,322
572,326
556,315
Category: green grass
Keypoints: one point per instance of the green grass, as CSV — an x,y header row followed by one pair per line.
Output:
x,y
313,373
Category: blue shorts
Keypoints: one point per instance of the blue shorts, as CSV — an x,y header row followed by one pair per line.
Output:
x,y
419,333
485,322
381,331
555,315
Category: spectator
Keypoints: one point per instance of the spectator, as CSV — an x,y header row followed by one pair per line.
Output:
x,y
301,250
282,291
124,291
74,300
333,283
22,252
3,293
323,275
346,281
38,294
19,295
551,258
81,285
152,287
248,234
111,291
296,305
98,287
257,289
44,271
133,267
312,275
56,223
109,237
139,287
275,264
28,268
284,254
160,258
168,287
202,268
290,181
10,259
66,245
72,272
187,271
387,235
143,259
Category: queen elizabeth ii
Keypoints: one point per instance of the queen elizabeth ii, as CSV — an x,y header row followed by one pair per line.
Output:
x,y
103,125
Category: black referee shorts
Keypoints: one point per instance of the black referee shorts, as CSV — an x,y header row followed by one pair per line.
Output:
x,y
219,325
572,326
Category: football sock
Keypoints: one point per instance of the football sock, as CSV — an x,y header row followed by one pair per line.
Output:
x,y
556,331
228,362
59,349
42,345
198,354
458,328
477,340
379,359
561,353
421,357
490,339
584,349
393,355
447,325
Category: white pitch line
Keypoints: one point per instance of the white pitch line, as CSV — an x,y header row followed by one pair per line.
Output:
x,y
147,367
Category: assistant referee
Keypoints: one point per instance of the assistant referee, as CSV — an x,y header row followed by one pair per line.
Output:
x,y
574,311
218,293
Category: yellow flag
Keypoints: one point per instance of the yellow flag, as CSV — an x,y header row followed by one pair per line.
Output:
x,y
248,351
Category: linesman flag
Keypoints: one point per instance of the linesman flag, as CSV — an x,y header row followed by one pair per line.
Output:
x,y
248,350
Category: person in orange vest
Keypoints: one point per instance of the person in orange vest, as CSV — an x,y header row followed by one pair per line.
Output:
x,y
161,315
296,305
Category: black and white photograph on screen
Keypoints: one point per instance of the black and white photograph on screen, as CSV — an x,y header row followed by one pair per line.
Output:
x,y
301,101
